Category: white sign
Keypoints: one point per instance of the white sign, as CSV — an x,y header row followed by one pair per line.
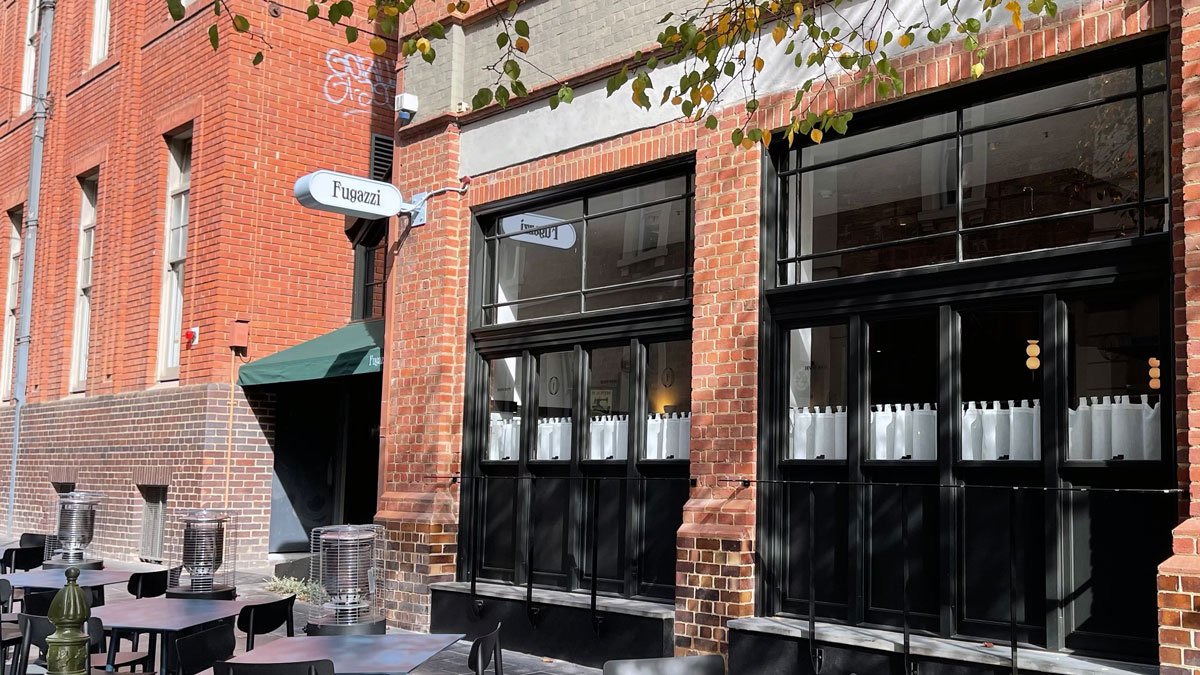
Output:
x,y
540,230
348,195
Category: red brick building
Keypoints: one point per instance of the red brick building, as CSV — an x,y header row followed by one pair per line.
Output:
x,y
175,163
647,394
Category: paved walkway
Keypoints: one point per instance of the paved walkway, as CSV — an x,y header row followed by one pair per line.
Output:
x,y
453,661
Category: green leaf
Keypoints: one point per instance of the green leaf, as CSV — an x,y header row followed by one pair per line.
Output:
x,y
502,96
755,135
522,28
437,30
512,69
616,82
737,136
347,8
351,34
176,8
481,98
502,40
213,38
566,93
752,105
518,88
512,6
335,13
258,58
217,7
313,11
973,25
554,102
240,23
429,55
711,122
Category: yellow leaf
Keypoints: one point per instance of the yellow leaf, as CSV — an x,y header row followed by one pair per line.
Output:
x,y
423,45
741,55
870,46
798,9
747,143
1015,8
773,7
522,45
766,138
758,64
372,12
391,10
678,100
977,70
778,33
816,135
451,7
378,45
905,40
836,47
707,93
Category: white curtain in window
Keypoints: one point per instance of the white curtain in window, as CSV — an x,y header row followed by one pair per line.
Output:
x,y
904,431
1115,427
994,430
668,435
609,437
817,432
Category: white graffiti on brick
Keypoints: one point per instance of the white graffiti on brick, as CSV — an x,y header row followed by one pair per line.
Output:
x,y
358,82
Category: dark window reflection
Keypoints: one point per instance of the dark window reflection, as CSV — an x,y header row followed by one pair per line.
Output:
x,y
1001,384
556,403
904,389
609,404
668,400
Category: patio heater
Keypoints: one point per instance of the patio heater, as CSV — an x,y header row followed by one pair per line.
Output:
x,y
76,526
345,563
205,568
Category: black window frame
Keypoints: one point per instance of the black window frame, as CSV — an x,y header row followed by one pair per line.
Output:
x,y
1043,278
367,277
633,327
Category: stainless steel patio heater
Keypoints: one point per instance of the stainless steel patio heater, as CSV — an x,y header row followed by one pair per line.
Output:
x,y
206,566
76,527
346,563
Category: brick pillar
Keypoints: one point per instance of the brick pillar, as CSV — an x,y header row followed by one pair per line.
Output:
x,y
714,579
1179,576
424,371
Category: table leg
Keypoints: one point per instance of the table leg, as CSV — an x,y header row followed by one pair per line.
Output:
x,y
150,650
113,640
163,657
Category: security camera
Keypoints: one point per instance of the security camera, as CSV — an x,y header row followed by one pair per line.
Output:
x,y
406,107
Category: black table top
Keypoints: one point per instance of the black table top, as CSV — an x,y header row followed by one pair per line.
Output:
x,y
394,654
165,614
56,578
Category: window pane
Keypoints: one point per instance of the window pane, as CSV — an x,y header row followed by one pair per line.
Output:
x,y
1156,140
609,403
539,217
1001,384
1050,234
634,196
668,400
505,380
639,244
1115,377
533,309
1070,162
913,254
556,406
527,267
898,195
655,291
817,394
858,144
1154,74
1053,98
904,388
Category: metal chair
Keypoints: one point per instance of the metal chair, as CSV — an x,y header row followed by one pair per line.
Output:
x,y
676,665
33,540
483,649
298,668
37,603
260,619
22,558
35,629
198,652
6,599
148,584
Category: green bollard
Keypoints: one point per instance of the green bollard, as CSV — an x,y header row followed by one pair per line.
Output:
x,y
68,654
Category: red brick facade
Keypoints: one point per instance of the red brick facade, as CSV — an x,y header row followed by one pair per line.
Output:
x,y
716,544
253,252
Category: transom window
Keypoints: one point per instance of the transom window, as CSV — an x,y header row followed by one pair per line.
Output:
x,y
622,247
1080,162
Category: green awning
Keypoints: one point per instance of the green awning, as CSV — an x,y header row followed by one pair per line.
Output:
x,y
354,349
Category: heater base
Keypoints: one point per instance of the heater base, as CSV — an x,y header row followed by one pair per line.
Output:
x,y
83,565
376,627
217,593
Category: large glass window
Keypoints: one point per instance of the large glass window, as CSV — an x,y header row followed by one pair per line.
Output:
x,y
370,271
1066,165
11,306
578,481
618,248
179,183
81,335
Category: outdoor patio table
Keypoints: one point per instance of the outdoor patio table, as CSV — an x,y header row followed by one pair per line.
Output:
x,y
394,654
55,578
164,617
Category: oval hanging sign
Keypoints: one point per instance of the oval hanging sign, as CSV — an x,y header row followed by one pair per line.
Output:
x,y
533,228
348,195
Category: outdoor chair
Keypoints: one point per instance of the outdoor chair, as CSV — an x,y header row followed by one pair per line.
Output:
x,y
22,559
33,540
260,619
6,599
37,603
483,649
35,629
148,584
675,665
298,668
199,651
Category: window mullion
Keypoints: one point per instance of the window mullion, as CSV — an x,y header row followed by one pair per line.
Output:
x,y
633,484
949,421
1054,439
856,439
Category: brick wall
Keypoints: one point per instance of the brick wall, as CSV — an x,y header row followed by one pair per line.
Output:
x,y
184,428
